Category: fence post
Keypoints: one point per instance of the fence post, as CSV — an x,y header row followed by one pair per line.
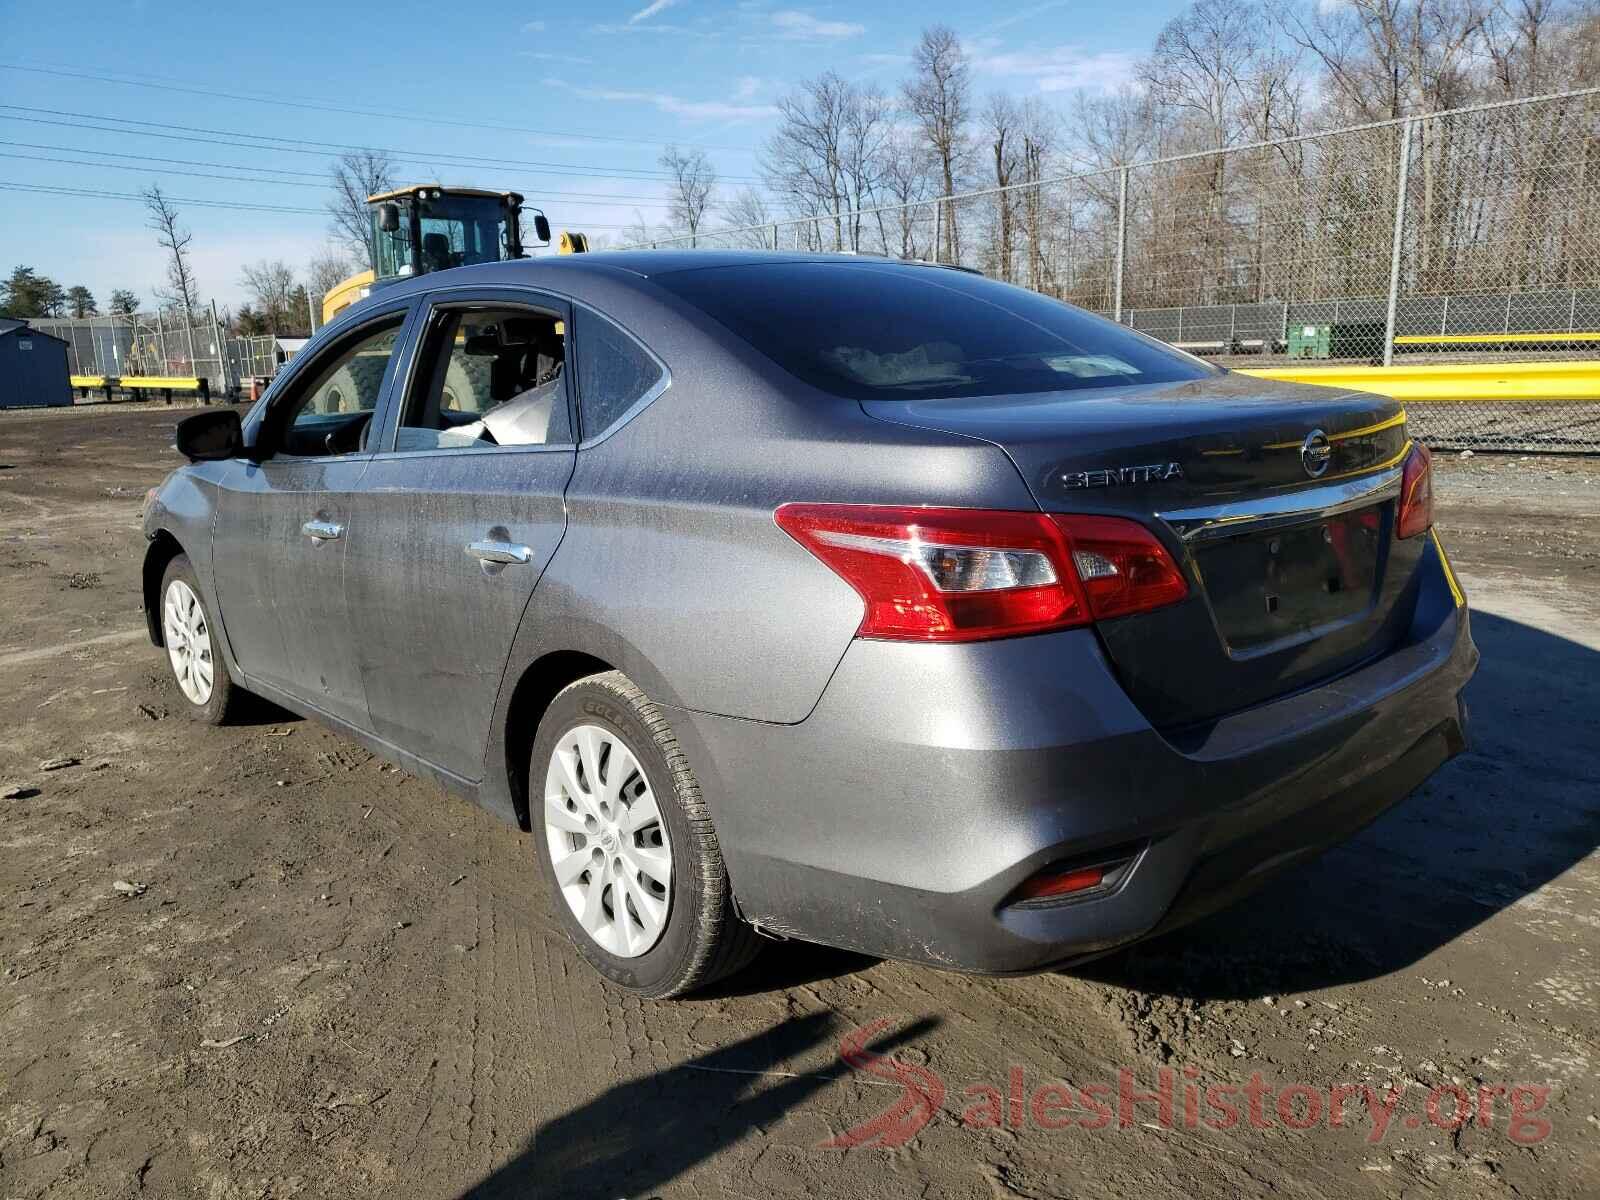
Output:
x,y
222,351
774,235
311,312
938,226
1122,236
1399,237
161,338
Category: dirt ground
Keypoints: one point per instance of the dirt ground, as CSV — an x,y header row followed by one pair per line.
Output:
x,y
257,961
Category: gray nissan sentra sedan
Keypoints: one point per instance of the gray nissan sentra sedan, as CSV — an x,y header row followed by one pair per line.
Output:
x,y
873,604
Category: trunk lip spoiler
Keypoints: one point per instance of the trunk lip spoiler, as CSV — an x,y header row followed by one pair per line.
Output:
x,y
1262,513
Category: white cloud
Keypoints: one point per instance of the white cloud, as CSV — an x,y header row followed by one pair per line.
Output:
x,y
576,60
533,27
747,86
698,110
1025,14
650,10
803,26
655,27
1062,68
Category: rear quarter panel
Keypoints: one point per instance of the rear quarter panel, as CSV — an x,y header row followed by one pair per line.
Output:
x,y
673,569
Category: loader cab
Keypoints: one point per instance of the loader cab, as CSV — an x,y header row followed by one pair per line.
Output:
x,y
418,230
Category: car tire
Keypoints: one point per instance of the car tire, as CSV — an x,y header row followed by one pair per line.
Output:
x,y
601,833
194,652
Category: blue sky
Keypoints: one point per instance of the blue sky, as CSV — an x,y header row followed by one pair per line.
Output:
x,y
582,99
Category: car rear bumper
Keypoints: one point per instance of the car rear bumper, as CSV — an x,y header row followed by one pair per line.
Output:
x,y
930,781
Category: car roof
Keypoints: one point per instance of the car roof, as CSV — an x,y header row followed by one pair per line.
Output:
x,y
650,263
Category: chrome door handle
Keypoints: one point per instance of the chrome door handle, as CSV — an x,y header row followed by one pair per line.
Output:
x,y
500,552
322,531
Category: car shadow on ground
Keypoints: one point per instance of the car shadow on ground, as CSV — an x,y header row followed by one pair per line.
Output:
x,y
1514,812
784,965
258,710
642,1134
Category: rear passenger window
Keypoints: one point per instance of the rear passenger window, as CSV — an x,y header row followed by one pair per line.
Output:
x,y
614,373
487,377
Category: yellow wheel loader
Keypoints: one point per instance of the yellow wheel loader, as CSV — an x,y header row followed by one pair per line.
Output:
x,y
429,227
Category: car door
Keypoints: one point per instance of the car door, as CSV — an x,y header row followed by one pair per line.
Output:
x,y
457,517
284,519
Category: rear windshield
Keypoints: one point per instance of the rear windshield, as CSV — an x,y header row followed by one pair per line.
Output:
x,y
876,331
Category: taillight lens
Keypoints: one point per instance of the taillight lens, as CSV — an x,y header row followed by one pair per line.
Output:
x,y
959,574
1416,493
1122,566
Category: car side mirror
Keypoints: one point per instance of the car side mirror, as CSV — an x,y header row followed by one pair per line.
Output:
x,y
389,217
210,436
541,227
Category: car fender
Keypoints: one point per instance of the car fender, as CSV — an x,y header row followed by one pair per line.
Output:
x,y
179,518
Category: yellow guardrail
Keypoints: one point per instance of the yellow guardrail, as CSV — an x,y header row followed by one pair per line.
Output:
x,y
89,381
1466,382
176,383
1473,339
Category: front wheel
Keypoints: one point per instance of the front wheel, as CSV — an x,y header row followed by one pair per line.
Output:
x,y
628,846
192,647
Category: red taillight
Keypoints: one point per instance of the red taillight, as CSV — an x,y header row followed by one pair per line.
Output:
x,y
960,574
1416,493
1065,883
1122,566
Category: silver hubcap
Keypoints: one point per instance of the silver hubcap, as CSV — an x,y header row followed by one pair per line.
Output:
x,y
188,638
613,861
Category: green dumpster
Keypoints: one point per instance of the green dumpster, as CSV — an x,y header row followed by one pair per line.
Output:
x,y
1310,341
1345,339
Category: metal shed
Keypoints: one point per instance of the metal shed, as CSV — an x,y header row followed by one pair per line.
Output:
x,y
33,367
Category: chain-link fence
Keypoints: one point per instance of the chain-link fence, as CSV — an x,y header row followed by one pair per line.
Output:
x,y
164,344
1460,235
1525,426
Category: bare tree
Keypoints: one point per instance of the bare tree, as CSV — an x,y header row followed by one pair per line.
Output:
x,y
748,211
1390,58
803,160
1040,131
693,184
637,231
1002,134
830,156
181,290
272,286
326,271
354,177
937,96
910,176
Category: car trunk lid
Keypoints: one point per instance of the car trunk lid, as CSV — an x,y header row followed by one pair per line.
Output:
x,y
1277,499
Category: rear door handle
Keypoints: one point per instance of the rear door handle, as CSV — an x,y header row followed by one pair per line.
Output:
x,y
322,531
500,552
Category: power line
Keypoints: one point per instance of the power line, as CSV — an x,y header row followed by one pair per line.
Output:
x,y
603,199
106,195
98,194
257,141
281,101
182,162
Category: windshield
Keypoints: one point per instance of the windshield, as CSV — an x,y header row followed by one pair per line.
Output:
x,y
460,230
882,331
454,231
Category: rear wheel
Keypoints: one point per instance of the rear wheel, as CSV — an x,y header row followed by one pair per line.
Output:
x,y
628,846
192,647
